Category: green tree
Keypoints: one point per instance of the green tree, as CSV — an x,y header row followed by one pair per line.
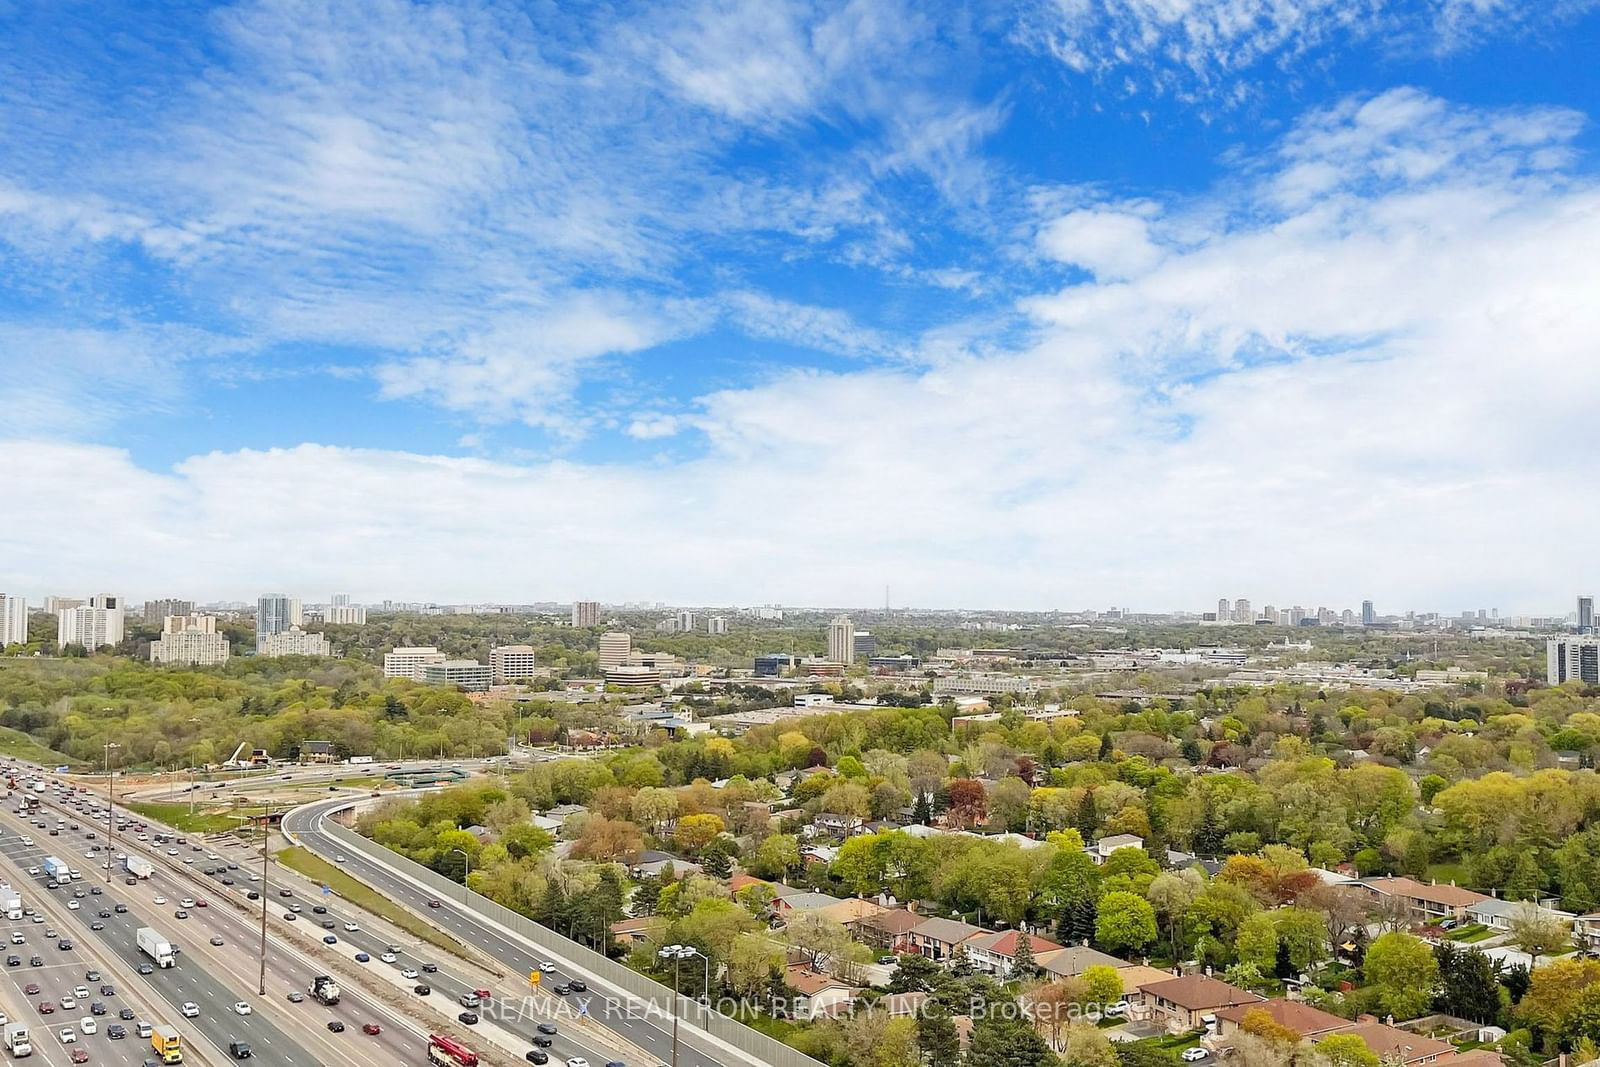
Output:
x,y
1403,971
937,1037
1126,923
1347,1050
1005,1042
1257,943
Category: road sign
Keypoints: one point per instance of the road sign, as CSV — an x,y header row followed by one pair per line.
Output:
x,y
533,977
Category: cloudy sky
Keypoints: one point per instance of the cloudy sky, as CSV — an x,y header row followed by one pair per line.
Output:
x,y
1030,303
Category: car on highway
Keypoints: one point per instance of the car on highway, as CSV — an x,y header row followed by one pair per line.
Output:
x,y
239,1050
116,1031
180,914
125,1014
542,1041
13,961
330,939
31,989
68,1002
371,1029
186,902
579,985
546,1028
318,909
46,1007
335,1026
160,901
410,974
389,957
97,925
421,990
536,1055
429,968
547,965
73,905
362,957
435,903
216,942
468,1018
577,1061
81,992
241,1007
289,916
88,1026
145,968
121,909
190,1010
351,928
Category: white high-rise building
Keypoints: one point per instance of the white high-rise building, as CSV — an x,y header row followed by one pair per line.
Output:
x,y
159,611
1573,659
842,640
92,625
685,622
408,661
1242,612
614,650
512,663
586,613
13,620
1224,610
294,642
190,640
717,625
344,613
273,616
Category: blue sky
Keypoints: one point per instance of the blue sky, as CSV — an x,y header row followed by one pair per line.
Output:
x,y
1042,303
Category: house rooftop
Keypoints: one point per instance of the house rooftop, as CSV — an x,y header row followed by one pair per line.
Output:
x,y
1073,960
1197,992
1294,1015
1388,1042
810,983
950,931
1449,896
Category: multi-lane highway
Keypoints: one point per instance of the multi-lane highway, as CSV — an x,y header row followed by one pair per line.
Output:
x,y
219,957
645,1030
225,868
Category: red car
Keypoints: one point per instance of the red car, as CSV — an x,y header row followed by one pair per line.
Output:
x,y
79,1056
32,989
372,1028
201,903
47,1007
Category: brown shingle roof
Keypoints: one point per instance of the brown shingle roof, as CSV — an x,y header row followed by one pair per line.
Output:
x,y
1197,992
1389,1041
1449,896
1303,1019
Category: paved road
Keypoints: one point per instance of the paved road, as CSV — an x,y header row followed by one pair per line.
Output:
x,y
651,1033
218,976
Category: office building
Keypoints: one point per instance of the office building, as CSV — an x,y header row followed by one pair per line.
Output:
x,y
408,661
293,642
1242,612
842,640
717,625
157,612
773,664
13,620
1224,610
55,605
586,613
1573,659
1368,614
614,649
865,645
1586,615
685,622
92,625
189,640
466,674
272,616
512,663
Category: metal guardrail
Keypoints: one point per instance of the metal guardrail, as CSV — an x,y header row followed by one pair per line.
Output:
x,y
767,1049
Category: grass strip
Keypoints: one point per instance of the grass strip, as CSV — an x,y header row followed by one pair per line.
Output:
x,y
364,896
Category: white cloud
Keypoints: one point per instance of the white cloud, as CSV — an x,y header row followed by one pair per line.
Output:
x,y
1110,244
1364,394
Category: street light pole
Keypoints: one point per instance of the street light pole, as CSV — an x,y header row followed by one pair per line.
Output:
x,y
466,870
677,954
111,811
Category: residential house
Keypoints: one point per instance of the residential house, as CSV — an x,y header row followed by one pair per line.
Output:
x,y
316,751
1135,975
888,929
995,953
816,994
1073,960
1497,914
1426,903
1294,1015
835,825
1102,849
798,902
1399,1047
852,912
938,938
651,862
1191,1002
1586,928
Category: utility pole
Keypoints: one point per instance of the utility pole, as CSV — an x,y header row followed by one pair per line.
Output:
x,y
466,869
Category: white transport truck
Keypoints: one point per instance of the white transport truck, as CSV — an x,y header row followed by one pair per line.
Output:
x,y
154,945
10,903
57,870
17,1042
138,866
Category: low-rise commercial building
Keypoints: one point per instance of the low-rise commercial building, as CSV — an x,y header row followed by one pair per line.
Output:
x,y
466,674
